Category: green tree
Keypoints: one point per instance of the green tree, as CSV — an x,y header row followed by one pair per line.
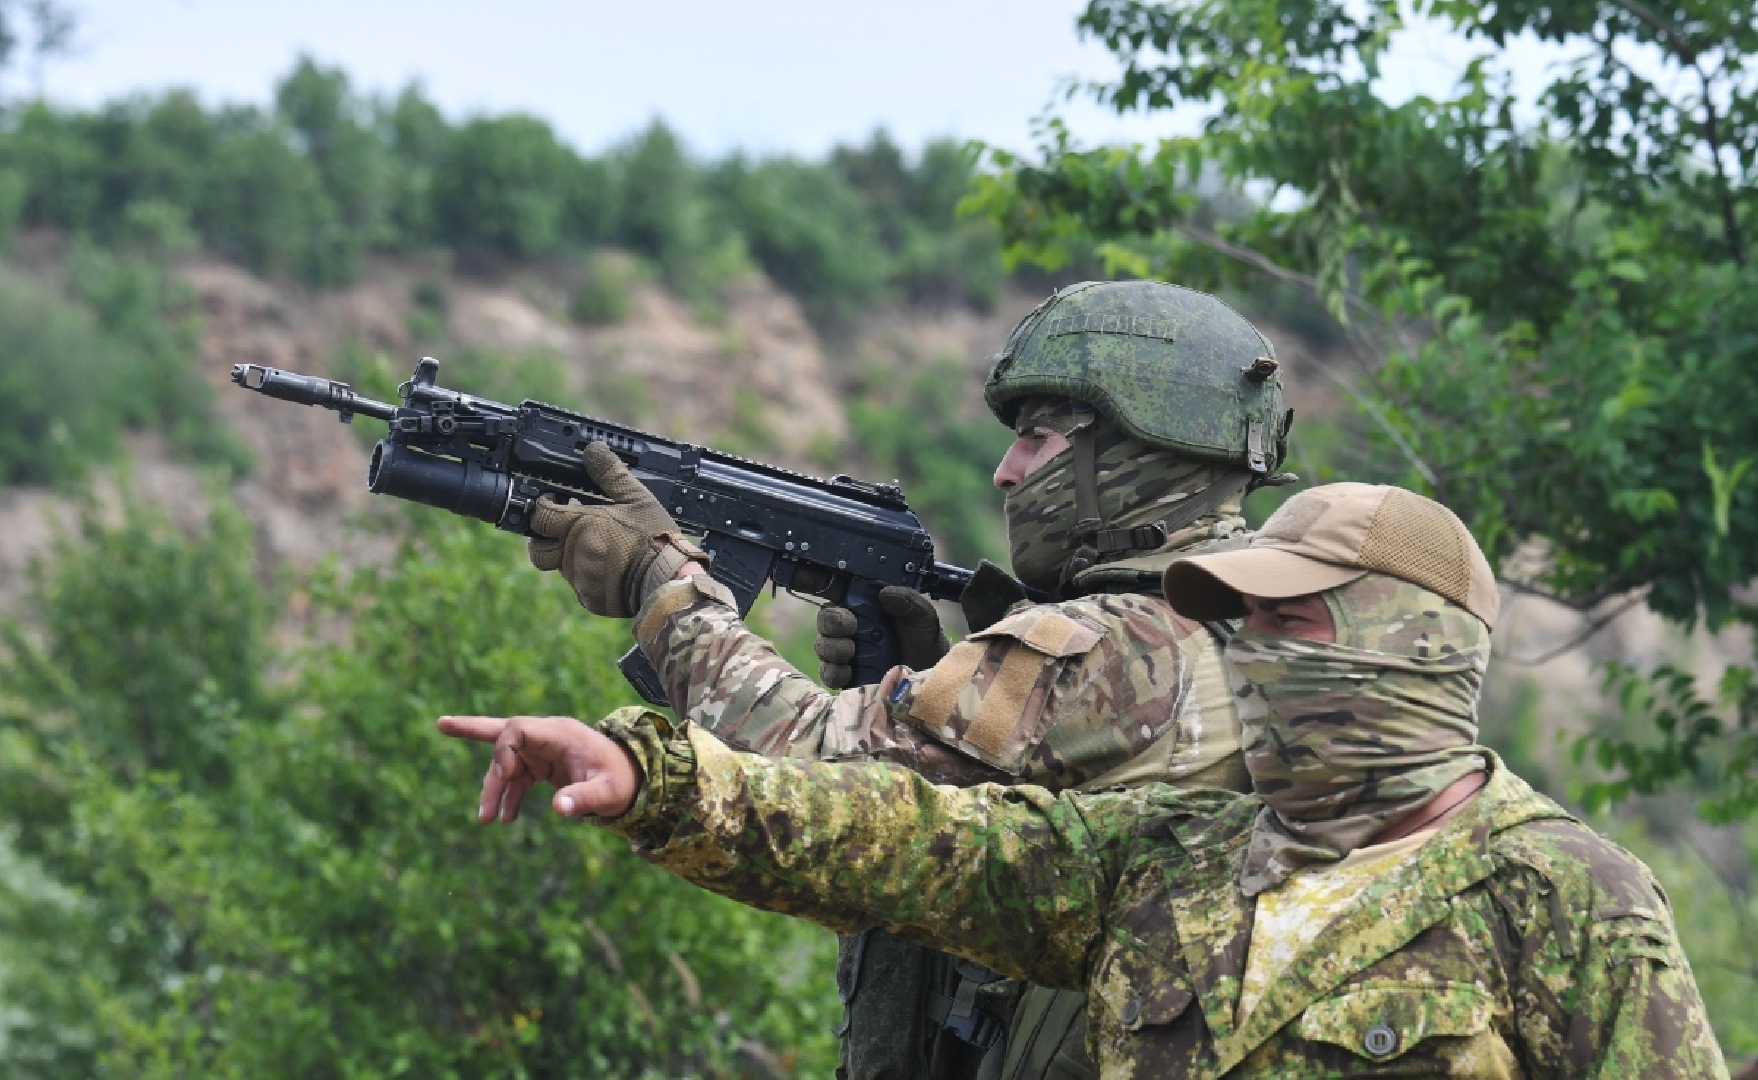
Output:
x,y
338,133
665,213
264,204
308,188
1555,288
935,257
418,135
661,214
59,166
219,873
811,233
504,186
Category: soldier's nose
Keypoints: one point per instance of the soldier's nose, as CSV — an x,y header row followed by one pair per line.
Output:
x,y
1012,468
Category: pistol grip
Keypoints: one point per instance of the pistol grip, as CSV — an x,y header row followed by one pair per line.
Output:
x,y
876,648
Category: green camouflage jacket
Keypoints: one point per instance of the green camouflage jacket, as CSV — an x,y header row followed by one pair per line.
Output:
x,y
1517,944
1113,688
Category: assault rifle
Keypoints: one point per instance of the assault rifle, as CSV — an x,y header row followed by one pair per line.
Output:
x,y
840,539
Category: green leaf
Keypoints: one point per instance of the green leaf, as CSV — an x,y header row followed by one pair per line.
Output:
x,y
1723,483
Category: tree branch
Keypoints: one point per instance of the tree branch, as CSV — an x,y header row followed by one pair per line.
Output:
x,y
1583,605
1264,264
1581,638
1688,56
1679,47
1730,220
1379,418
1257,260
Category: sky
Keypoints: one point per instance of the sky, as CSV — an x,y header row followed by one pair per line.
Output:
x,y
763,76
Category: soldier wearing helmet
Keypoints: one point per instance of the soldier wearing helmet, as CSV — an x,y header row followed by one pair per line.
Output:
x,y
1145,412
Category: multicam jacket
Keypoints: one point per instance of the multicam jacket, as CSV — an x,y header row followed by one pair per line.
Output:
x,y
1517,943
1113,688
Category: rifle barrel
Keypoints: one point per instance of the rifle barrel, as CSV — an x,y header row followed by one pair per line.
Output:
x,y
291,386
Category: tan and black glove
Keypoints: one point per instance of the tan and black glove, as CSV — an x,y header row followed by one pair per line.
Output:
x,y
614,554
920,643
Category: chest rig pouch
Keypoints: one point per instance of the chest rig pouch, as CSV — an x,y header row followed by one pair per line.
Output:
x,y
911,1013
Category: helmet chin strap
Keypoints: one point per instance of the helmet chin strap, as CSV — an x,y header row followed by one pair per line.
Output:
x,y
1094,542
1098,543
1089,518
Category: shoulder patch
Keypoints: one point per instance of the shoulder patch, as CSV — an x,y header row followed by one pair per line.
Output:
x,y
1047,630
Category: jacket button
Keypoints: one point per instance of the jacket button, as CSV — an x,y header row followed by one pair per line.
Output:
x,y
1380,1040
1132,1010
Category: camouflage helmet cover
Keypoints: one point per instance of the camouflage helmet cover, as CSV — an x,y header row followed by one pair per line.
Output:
x,y
1171,366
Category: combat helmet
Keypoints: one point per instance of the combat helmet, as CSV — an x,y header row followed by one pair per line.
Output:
x,y
1171,366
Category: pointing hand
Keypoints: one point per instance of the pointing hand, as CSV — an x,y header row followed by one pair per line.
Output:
x,y
592,772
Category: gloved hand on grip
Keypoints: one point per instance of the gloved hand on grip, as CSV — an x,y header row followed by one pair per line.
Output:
x,y
614,554
920,641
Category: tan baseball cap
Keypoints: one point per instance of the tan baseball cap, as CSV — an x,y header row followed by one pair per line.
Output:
x,y
1329,536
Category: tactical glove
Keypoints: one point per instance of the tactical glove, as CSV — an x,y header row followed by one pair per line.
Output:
x,y
919,640
614,554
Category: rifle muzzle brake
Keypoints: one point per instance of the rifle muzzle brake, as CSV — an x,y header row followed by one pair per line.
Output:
x,y
338,397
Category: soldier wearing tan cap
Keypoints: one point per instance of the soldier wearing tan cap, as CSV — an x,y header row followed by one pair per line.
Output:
x,y
1390,900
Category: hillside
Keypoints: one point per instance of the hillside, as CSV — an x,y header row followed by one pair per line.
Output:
x,y
758,374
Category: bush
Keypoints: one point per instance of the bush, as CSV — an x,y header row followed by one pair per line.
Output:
x,y
58,381
150,316
327,907
603,296
74,375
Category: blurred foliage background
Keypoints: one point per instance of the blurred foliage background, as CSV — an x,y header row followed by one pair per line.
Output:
x,y
217,872
308,188
230,841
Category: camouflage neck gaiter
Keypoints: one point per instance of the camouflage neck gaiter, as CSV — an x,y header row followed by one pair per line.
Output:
x,y
1138,484
1345,739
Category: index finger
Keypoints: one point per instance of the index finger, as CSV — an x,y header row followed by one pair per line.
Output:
x,y
476,728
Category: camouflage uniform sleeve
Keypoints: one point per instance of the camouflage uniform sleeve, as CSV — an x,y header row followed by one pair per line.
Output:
x,y
725,678
1107,690
1012,877
1601,982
